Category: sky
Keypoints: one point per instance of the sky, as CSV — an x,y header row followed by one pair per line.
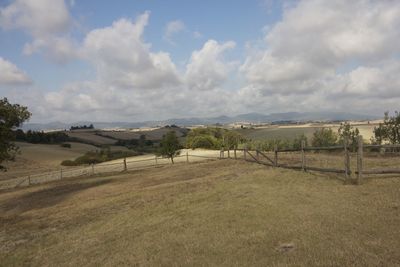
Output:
x,y
138,60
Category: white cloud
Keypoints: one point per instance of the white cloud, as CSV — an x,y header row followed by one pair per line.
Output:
x,y
172,28
37,17
48,23
207,69
332,53
322,55
11,75
123,59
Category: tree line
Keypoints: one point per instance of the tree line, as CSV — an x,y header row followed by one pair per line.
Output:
x,y
40,137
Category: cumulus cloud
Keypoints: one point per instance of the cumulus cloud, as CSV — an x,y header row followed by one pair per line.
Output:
x,y
124,60
322,55
11,75
135,83
172,28
207,69
330,52
48,23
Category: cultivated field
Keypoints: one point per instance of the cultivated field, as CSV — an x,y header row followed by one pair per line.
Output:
x,y
106,137
292,131
219,213
91,137
154,134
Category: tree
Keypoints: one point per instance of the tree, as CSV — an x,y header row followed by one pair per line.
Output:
x,y
169,146
298,140
324,137
231,139
347,131
389,130
11,117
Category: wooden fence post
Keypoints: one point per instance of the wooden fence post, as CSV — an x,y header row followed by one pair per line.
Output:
x,y
155,158
276,154
60,174
187,157
346,158
303,155
360,159
125,166
245,152
229,153
234,151
257,154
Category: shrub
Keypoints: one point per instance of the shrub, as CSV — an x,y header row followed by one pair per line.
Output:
x,y
213,138
66,145
324,137
204,141
94,157
69,163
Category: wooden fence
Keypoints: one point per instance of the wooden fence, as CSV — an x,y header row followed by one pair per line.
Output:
x,y
102,168
258,156
261,157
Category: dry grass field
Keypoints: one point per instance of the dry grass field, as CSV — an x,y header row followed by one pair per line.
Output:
x,y
38,158
217,213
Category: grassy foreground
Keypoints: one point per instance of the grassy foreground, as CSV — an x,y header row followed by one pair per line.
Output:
x,y
229,213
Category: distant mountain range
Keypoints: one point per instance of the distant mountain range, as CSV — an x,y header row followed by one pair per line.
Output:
x,y
242,118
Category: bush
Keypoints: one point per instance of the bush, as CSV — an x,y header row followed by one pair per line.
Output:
x,y
213,138
66,145
94,157
204,141
69,163
324,137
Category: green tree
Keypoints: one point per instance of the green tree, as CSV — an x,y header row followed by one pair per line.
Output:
x,y
169,146
347,131
389,130
298,140
11,117
231,139
324,137
213,138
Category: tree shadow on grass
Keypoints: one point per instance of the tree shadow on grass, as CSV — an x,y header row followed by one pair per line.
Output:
x,y
47,197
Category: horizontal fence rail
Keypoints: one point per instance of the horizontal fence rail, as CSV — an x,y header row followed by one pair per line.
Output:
x,y
360,171
261,157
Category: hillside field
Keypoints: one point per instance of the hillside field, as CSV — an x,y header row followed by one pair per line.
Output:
x,y
216,213
39,158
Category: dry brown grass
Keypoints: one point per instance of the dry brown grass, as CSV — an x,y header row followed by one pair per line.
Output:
x,y
220,213
39,158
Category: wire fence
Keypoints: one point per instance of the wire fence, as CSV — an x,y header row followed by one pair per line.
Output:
x,y
121,165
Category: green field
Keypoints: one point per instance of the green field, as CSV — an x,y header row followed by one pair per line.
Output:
x,y
277,132
218,213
